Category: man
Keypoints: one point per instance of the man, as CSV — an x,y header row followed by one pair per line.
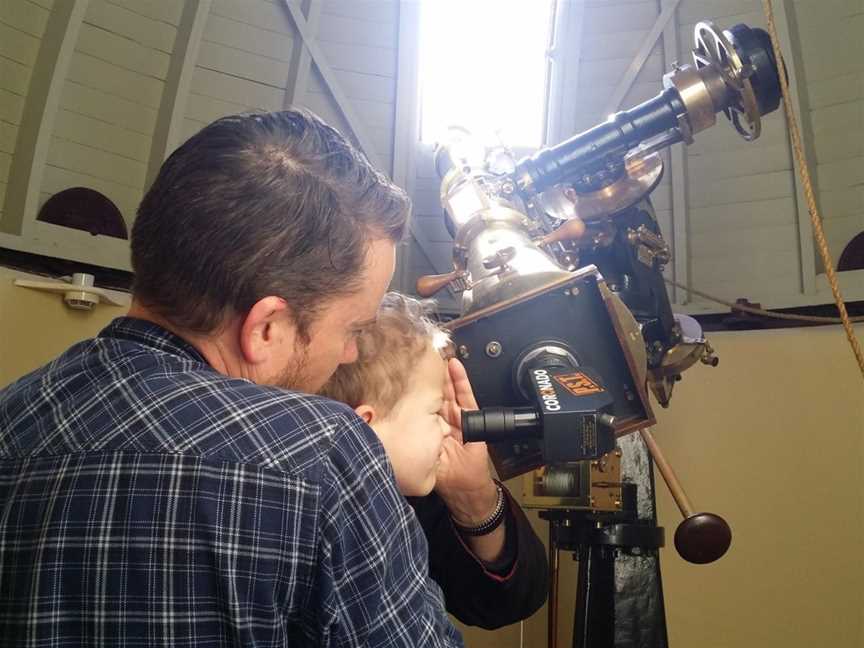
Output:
x,y
158,485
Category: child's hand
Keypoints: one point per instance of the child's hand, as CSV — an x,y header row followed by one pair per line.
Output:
x,y
458,396
464,479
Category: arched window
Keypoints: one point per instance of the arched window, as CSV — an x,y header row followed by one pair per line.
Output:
x,y
852,257
84,209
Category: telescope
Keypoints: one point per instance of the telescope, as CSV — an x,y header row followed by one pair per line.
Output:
x,y
559,261
566,325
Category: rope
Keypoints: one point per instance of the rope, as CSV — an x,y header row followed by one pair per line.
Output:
x,y
804,172
761,311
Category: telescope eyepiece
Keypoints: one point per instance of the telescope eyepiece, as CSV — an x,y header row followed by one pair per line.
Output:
x,y
500,424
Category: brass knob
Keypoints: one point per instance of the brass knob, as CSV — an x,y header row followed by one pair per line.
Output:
x,y
571,230
702,538
428,285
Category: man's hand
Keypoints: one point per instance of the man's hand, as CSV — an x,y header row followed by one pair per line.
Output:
x,y
464,476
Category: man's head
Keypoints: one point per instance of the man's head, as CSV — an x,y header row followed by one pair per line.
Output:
x,y
271,229
397,387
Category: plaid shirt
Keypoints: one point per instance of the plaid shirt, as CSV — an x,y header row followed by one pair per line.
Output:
x,y
147,500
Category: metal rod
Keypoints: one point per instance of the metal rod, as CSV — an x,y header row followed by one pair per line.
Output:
x,y
669,476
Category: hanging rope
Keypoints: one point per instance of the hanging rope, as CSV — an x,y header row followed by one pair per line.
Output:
x,y
815,319
804,172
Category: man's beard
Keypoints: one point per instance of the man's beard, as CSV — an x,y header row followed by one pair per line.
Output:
x,y
295,376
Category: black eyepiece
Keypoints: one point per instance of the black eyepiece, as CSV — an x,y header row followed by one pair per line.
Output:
x,y
500,424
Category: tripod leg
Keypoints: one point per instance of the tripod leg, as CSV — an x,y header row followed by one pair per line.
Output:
x,y
594,622
552,608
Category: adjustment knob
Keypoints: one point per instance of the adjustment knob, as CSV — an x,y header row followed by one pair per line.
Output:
x,y
428,285
573,229
702,538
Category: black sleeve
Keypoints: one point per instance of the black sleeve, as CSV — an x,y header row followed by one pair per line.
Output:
x,y
489,596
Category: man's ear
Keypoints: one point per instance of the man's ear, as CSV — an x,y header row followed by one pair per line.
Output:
x,y
267,325
367,413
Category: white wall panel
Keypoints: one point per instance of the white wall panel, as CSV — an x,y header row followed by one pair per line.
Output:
x,y
833,60
25,17
167,11
105,122
269,43
356,85
22,25
218,85
258,13
348,30
123,52
101,135
372,11
109,108
8,135
18,45
132,21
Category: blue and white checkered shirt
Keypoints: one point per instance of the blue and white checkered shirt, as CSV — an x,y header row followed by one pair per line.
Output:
x,y
147,500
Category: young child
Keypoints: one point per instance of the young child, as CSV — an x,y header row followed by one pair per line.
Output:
x,y
397,387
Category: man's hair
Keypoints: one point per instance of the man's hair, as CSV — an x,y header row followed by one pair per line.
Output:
x,y
388,352
256,205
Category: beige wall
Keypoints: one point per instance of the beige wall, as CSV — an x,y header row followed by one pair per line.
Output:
x,y
36,326
772,439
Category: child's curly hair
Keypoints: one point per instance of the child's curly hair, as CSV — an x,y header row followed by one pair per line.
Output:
x,y
388,350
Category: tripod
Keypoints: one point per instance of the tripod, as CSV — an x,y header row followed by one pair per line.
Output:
x,y
619,600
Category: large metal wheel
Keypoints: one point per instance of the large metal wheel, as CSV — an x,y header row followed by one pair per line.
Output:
x,y
714,47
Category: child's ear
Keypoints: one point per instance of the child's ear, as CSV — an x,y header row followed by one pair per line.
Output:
x,y
367,413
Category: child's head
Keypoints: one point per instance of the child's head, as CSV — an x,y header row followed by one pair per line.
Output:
x,y
397,387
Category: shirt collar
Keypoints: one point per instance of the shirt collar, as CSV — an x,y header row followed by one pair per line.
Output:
x,y
152,335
